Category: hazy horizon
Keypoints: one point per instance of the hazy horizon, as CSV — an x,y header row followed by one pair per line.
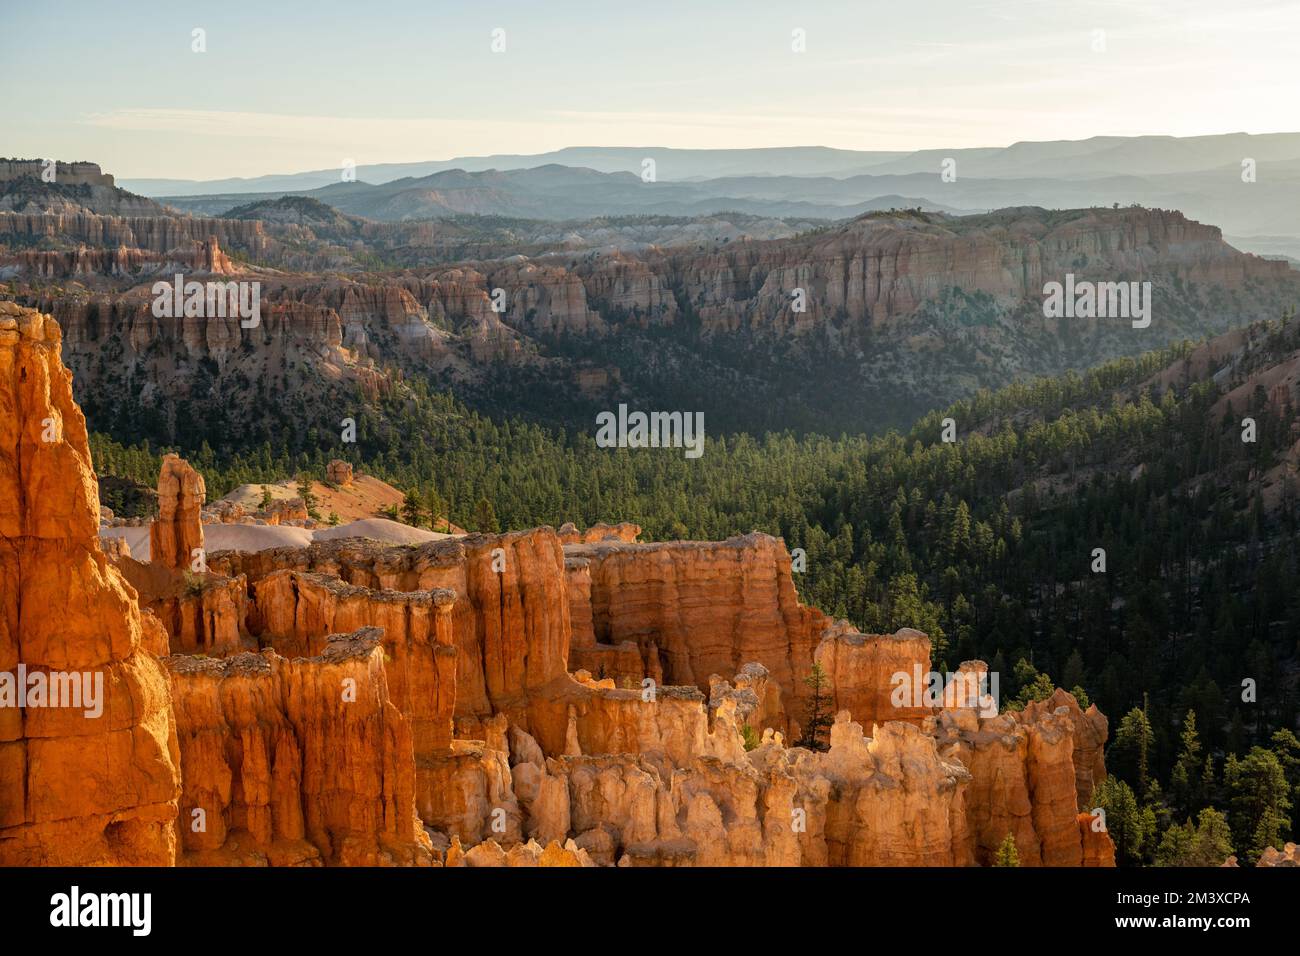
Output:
x,y
661,146
307,86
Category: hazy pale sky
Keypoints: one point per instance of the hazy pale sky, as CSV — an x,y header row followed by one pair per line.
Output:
x,y
292,86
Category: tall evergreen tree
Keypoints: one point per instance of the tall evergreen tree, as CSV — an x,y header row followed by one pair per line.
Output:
x,y
413,509
819,717
485,517
1259,798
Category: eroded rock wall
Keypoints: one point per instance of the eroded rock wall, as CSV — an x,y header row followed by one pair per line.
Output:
x,y
510,621
76,787
697,608
296,762
1023,781
876,677
297,611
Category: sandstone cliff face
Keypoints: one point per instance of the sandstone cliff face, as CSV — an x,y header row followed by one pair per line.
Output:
x,y
638,770
625,287
69,174
87,263
71,188
453,703
623,662
74,789
866,802
467,792
510,621
878,270
156,234
544,299
295,762
634,775
324,336
296,612
297,347
520,616
1098,848
1023,782
695,609
907,809
862,669
202,614
1090,732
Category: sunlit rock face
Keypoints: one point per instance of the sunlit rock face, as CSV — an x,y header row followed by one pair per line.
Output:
x,y
76,787
296,762
177,533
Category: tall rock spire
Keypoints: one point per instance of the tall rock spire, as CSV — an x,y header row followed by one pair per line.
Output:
x,y
178,530
89,767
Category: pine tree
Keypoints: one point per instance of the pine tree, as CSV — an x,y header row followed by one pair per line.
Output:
x,y
1207,843
1032,685
1185,780
1130,827
819,716
485,517
1259,801
413,512
1287,748
1007,854
958,540
307,495
435,509
1131,750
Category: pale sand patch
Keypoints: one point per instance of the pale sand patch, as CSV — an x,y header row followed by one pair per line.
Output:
x,y
381,529
252,537
221,537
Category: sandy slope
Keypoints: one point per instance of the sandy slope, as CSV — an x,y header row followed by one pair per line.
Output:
x,y
381,529
365,497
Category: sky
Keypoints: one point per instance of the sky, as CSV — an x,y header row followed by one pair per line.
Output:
x,y
287,86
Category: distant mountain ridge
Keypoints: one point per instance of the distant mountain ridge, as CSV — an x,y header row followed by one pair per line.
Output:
x,y
1249,184
567,192
676,163
1098,155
